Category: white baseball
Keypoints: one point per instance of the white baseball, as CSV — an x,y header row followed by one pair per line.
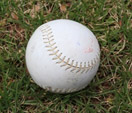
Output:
x,y
62,56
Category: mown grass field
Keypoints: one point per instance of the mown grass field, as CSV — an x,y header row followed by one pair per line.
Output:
x,y
111,89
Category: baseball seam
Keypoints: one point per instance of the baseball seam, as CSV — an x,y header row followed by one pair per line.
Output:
x,y
73,65
57,90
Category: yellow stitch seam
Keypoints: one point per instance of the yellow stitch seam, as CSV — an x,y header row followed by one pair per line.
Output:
x,y
47,34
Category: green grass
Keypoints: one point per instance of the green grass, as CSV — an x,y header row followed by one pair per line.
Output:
x,y
111,89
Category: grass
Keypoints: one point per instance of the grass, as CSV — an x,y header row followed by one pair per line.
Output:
x,y
111,89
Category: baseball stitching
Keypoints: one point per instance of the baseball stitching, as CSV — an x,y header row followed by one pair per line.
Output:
x,y
62,60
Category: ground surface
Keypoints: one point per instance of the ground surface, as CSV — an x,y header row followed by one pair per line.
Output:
x,y
111,89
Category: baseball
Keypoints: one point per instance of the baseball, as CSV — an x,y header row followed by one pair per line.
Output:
x,y
62,56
